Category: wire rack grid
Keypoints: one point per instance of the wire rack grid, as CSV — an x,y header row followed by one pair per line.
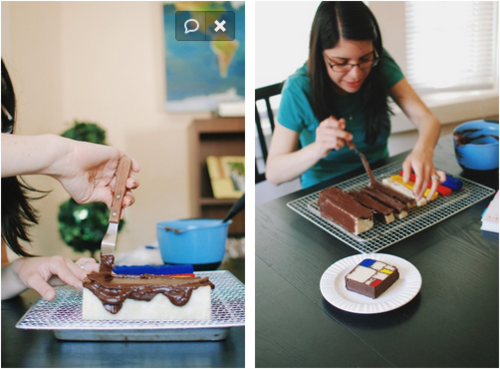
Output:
x,y
65,311
384,235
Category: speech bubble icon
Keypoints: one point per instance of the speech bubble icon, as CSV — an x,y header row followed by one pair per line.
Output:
x,y
191,30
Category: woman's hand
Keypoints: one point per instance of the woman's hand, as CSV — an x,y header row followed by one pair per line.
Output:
x,y
41,273
420,162
88,173
331,135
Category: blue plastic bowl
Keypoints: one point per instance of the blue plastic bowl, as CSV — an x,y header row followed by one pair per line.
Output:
x,y
203,245
476,145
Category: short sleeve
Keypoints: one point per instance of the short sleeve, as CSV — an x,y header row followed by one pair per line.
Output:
x,y
391,70
294,107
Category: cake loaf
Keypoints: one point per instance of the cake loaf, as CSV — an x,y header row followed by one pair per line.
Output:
x,y
381,212
371,278
337,206
144,297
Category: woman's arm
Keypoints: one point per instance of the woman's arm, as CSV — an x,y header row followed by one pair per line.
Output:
x,y
284,163
85,170
420,160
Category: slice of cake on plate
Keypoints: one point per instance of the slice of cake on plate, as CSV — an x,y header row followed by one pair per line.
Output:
x,y
371,278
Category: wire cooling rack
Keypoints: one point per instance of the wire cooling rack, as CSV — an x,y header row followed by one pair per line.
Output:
x,y
384,235
65,311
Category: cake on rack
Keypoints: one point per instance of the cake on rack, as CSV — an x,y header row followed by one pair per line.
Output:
x,y
337,206
381,212
387,201
107,295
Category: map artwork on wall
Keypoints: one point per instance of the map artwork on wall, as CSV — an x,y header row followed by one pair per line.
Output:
x,y
202,72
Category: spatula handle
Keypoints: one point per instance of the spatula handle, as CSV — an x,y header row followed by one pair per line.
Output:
x,y
122,174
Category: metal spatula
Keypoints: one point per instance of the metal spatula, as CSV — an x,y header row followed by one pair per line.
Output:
x,y
363,159
109,241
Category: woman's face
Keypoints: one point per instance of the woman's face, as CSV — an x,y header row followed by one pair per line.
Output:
x,y
348,52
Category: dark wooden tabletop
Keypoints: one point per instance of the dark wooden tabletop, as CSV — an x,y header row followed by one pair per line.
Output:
x,y
41,349
452,322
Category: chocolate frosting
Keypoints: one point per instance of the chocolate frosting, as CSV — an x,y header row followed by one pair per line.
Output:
x,y
464,137
368,169
383,198
345,202
370,202
113,289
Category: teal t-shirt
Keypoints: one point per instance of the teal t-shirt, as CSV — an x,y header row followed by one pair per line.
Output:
x,y
295,113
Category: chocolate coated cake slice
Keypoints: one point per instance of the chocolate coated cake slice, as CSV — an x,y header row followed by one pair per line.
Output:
x,y
371,278
400,209
337,206
381,212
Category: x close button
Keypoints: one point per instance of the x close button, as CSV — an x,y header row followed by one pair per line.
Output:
x,y
204,26
220,26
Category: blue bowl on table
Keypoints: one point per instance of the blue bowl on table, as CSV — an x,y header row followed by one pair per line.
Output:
x,y
199,242
476,145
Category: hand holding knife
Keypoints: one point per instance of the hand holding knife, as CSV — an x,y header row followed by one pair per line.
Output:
x,y
122,173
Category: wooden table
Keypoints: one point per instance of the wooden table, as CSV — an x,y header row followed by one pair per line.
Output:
x,y
452,322
32,348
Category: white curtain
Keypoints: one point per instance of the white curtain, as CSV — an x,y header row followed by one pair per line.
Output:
x,y
451,45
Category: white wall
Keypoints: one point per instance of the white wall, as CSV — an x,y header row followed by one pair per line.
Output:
x,y
281,38
282,41
100,62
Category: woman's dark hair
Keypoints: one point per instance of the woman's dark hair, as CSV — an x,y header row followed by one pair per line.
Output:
x,y
17,213
350,20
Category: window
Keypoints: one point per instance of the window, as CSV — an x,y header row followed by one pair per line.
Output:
x,y
451,46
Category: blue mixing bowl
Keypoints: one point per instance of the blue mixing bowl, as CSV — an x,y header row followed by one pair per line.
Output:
x,y
476,145
199,242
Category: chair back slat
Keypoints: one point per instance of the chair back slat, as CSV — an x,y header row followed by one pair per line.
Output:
x,y
264,93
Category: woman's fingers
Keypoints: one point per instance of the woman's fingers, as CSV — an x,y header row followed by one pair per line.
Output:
x,y
67,271
434,185
42,273
86,266
406,171
441,175
36,282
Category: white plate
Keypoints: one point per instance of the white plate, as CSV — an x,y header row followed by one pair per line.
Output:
x,y
333,288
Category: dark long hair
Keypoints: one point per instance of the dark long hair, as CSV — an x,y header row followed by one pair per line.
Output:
x,y
350,20
17,213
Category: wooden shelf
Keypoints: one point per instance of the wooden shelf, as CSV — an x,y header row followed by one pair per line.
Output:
x,y
214,202
218,137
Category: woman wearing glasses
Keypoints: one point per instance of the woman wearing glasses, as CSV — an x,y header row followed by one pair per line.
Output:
x,y
85,170
341,95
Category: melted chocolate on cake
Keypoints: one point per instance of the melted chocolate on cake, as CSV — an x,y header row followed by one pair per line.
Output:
x,y
113,289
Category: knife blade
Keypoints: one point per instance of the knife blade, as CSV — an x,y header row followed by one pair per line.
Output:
x,y
109,241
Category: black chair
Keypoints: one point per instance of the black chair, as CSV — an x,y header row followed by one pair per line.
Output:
x,y
264,93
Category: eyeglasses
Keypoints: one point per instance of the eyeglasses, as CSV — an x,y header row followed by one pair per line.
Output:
x,y
7,128
346,67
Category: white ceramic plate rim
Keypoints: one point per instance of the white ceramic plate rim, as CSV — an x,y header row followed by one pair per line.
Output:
x,y
332,285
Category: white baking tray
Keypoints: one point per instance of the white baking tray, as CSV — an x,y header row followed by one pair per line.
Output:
x,y
63,315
